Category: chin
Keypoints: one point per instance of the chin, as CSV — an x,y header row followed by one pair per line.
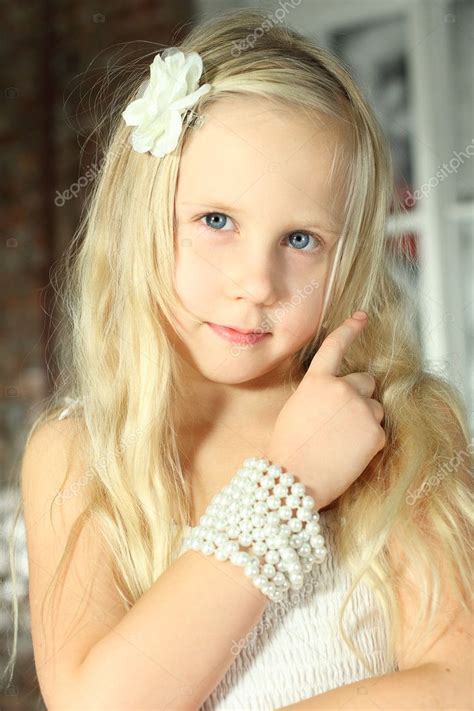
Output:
x,y
232,370
226,376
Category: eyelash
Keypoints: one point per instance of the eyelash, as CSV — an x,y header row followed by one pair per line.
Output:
x,y
318,239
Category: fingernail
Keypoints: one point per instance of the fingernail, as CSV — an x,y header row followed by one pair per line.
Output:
x,y
359,315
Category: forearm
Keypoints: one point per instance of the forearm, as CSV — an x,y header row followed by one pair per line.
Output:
x,y
176,643
431,686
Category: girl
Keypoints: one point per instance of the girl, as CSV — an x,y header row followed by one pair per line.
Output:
x,y
236,227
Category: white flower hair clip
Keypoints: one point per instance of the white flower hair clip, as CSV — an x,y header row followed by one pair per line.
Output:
x,y
163,99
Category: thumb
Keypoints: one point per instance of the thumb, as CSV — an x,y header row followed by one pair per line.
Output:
x,y
327,360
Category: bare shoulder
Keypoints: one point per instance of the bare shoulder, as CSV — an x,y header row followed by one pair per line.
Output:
x,y
85,604
52,440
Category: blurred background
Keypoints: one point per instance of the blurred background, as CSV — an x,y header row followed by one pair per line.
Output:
x,y
414,61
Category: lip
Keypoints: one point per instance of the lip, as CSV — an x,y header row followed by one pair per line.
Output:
x,y
235,336
245,331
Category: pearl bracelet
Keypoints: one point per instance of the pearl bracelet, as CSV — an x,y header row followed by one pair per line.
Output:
x,y
283,546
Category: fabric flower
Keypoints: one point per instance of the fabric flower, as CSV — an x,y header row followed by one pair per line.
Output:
x,y
171,89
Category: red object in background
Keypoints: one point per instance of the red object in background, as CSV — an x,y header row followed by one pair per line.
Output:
x,y
408,245
406,197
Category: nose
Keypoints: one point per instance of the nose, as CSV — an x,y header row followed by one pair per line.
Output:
x,y
253,274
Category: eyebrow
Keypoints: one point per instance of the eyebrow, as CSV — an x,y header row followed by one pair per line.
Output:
x,y
239,211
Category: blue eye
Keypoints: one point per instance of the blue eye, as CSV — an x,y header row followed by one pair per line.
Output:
x,y
213,214
215,226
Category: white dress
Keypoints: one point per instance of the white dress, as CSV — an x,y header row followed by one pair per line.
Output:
x,y
296,651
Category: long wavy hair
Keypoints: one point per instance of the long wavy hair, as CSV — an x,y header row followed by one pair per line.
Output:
x,y
115,288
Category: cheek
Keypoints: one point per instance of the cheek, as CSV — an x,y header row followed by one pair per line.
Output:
x,y
193,282
302,314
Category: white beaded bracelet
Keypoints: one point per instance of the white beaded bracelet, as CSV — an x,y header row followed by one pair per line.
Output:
x,y
284,546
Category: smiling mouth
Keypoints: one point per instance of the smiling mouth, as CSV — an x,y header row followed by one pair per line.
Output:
x,y
232,334
244,331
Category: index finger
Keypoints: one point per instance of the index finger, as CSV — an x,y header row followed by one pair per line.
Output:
x,y
327,360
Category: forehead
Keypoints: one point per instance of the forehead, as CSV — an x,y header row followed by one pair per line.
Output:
x,y
254,149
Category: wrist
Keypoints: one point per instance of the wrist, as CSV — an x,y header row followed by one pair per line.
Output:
x,y
317,492
268,512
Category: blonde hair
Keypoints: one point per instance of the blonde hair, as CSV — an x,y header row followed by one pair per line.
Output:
x,y
117,293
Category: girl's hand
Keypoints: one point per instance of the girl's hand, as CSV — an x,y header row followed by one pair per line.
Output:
x,y
329,429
